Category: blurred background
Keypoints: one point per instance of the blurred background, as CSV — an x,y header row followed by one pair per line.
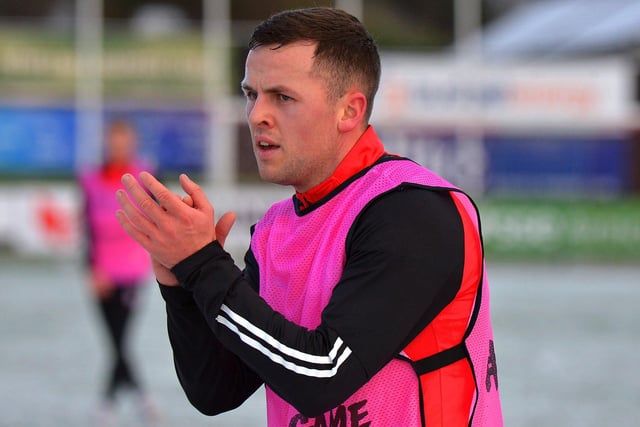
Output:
x,y
531,106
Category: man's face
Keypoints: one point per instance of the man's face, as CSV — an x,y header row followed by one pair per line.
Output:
x,y
293,126
120,145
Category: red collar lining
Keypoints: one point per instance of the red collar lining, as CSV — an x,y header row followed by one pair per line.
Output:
x,y
367,150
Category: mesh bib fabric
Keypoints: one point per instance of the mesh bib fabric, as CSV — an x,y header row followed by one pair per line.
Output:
x,y
301,258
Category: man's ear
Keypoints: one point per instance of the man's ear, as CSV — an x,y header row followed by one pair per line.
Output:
x,y
352,112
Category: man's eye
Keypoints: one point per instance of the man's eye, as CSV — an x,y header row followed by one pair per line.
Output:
x,y
285,97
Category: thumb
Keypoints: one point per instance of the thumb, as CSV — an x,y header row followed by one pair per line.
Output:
x,y
223,226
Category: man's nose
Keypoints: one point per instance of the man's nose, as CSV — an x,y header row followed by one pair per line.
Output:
x,y
259,113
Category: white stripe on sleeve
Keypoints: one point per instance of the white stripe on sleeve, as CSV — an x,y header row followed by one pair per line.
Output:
x,y
329,364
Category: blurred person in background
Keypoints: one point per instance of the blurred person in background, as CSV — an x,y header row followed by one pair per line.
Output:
x,y
118,267
364,299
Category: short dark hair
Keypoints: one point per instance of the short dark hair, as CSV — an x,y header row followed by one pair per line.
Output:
x,y
345,52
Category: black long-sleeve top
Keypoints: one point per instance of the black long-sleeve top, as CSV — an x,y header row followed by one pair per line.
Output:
x,y
404,264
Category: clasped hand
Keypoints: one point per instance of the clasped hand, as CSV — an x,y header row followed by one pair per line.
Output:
x,y
171,227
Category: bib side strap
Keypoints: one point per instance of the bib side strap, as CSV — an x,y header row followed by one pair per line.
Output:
x,y
440,360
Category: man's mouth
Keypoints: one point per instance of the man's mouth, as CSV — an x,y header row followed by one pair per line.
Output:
x,y
264,145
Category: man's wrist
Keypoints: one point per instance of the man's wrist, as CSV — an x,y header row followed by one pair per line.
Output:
x,y
184,269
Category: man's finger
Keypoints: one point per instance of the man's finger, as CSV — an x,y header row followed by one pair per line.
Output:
x,y
162,194
136,224
198,196
132,230
140,198
223,227
188,200
133,215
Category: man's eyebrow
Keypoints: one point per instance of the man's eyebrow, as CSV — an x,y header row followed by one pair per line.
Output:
x,y
277,89
274,89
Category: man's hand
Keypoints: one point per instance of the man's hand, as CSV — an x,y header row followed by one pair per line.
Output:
x,y
173,228
101,285
164,276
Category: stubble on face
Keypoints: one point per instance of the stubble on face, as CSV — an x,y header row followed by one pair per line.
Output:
x,y
294,141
